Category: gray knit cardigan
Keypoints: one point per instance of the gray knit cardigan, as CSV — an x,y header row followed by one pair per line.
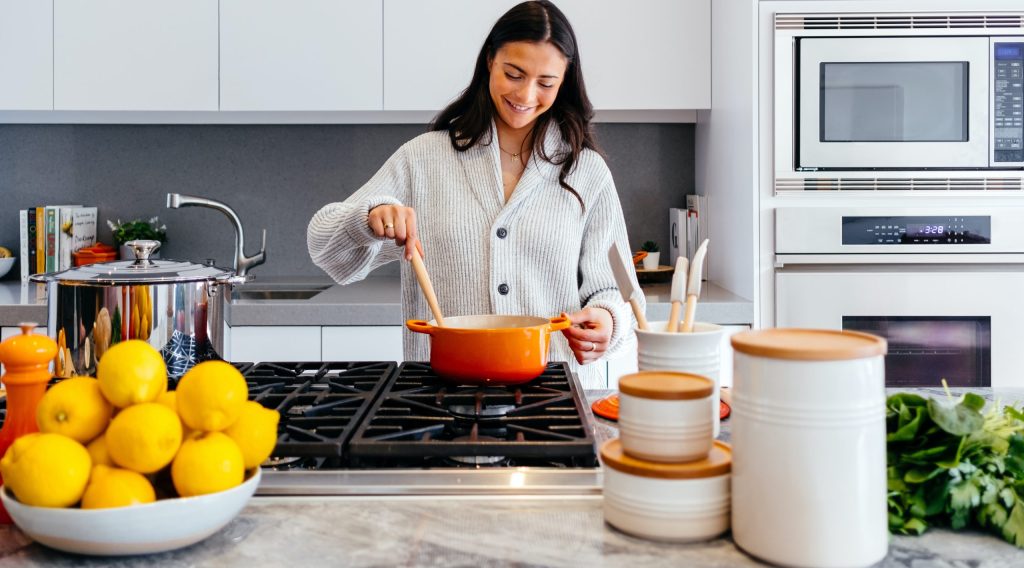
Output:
x,y
539,254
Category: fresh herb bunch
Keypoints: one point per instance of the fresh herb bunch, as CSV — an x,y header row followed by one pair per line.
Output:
x,y
138,230
951,465
649,246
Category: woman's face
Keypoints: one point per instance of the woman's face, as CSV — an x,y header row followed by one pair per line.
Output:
x,y
525,78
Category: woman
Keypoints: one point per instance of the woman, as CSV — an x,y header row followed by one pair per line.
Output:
x,y
508,195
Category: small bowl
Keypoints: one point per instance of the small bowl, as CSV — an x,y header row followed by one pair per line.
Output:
x,y
164,525
5,265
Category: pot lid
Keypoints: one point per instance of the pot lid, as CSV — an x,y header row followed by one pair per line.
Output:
x,y
141,270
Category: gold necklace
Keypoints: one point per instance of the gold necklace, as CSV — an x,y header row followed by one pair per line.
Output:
x,y
517,156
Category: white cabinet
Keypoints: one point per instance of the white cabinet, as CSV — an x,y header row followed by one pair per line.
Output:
x,y
430,49
651,54
625,362
135,54
312,55
26,54
274,343
362,343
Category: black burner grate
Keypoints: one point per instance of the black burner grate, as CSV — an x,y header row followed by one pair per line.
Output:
x,y
320,403
421,417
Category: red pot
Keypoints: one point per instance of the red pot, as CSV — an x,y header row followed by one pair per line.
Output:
x,y
490,349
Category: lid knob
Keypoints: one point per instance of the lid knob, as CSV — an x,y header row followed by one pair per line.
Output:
x,y
142,249
27,352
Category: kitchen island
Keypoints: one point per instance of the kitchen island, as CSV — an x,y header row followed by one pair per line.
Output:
x,y
480,531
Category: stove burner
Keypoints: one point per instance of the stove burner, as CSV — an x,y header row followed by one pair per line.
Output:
x,y
480,408
476,460
279,462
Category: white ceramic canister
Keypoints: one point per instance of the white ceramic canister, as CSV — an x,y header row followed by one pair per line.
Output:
x,y
698,352
684,502
663,415
808,436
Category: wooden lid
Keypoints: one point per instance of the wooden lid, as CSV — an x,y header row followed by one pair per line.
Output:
x,y
809,344
718,462
666,385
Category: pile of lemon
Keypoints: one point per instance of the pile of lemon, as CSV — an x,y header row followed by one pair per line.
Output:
x,y
113,440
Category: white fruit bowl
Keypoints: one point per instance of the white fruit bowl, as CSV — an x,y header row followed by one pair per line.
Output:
x,y
139,529
5,265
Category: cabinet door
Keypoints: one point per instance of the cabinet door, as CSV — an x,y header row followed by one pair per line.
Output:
x,y
430,49
26,54
310,55
647,54
274,343
362,343
135,54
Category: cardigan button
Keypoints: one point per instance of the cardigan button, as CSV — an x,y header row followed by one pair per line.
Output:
x,y
502,233
503,289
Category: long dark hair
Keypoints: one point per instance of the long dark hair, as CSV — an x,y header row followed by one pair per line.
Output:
x,y
469,117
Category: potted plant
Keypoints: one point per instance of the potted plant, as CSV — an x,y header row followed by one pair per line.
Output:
x,y
653,255
137,229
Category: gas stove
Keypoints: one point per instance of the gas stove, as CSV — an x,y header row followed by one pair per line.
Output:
x,y
385,428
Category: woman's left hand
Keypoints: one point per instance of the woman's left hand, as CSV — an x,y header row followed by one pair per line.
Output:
x,y
589,334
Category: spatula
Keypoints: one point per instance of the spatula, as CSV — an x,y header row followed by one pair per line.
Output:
x,y
625,283
428,289
678,293
693,285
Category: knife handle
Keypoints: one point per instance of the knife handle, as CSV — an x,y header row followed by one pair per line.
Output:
x,y
691,311
673,318
641,321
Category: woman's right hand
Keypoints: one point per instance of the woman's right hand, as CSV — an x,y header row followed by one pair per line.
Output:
x,y
396,222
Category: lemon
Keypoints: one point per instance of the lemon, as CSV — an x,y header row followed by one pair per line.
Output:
x,y
46,470
132,372
144,437
211,396
208,462
255,432
170,400
115,487
74,407
98,451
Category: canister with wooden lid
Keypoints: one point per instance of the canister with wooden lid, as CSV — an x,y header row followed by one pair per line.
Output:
x,y
682,502
663,415
808,435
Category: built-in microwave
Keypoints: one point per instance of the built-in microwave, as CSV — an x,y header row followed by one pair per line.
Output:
x,y
897,101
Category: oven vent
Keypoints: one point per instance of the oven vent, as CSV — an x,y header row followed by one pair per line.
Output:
x,y
898,21
898,184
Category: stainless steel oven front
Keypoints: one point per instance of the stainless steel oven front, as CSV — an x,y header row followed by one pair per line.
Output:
x,y
899,102
944,286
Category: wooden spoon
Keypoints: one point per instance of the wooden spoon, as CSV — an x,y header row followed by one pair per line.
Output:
x,y
428,289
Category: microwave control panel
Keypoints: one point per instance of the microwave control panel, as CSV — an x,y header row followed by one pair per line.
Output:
x,y
917,230
1008,102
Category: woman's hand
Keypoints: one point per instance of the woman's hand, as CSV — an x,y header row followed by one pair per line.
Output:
x,y
398,223
589,334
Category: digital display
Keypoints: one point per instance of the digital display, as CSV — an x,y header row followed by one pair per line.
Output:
x,y
925,230
1008,51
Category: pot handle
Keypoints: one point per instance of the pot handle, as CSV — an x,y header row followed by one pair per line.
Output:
x,y
420,326
559,323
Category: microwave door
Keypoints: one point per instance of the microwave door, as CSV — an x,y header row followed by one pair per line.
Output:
x,y
893,103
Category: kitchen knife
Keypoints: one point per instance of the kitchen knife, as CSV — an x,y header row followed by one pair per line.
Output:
x,y
693,285
625,284
678,293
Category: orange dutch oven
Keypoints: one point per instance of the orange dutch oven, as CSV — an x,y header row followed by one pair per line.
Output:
x,y
490,349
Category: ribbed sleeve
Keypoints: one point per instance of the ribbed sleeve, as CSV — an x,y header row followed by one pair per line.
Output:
x,y
538,254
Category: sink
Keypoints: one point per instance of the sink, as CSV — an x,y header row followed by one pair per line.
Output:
x,y
277,293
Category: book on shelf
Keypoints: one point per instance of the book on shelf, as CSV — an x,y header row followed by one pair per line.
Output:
x,y
50,234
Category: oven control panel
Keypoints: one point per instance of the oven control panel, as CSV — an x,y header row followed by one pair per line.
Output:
x,y
917,230
1008,102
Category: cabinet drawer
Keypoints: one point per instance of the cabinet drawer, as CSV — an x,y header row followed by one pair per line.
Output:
x,y
362,343
274,343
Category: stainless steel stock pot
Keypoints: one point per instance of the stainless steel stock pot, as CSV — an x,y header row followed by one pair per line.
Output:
x,y
175,306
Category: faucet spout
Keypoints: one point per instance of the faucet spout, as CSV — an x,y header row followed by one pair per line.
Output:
x,y
242,263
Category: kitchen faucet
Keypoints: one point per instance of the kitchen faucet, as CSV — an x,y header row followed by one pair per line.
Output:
x,y
242,263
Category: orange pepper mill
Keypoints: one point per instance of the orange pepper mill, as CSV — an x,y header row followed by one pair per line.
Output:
x,y
26,358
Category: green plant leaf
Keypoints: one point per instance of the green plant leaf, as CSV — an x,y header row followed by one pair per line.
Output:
x,y
958,419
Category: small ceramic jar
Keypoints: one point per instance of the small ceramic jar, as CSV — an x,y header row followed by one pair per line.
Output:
x,y
683,502
808,430
663,415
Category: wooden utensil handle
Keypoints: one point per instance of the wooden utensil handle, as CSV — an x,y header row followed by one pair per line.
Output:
x,y
641,321
428,289
673,318
691,311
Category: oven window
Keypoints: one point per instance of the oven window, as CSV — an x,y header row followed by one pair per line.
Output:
x,y
925,350
894,102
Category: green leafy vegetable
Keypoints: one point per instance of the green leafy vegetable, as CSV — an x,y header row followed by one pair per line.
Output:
x,y
951,465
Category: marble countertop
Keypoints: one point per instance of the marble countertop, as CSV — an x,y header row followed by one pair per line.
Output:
x,y
373,301
478,531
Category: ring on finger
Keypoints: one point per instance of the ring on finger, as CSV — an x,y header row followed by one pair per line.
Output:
x,y
592,347
389,226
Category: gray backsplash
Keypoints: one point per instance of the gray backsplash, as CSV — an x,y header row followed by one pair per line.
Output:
x,y
276,177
